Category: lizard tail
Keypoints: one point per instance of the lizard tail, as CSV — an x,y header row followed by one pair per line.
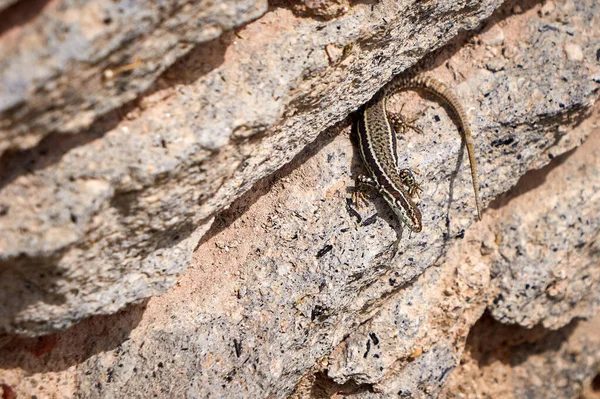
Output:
x,y
439,89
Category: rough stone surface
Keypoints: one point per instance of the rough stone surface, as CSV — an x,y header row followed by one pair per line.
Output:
x,y
510,362
65,63
294,292
432,317
416,336
545,263
102,218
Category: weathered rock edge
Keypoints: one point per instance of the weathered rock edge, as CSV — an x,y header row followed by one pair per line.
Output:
x,y
119,208
511,362
65,64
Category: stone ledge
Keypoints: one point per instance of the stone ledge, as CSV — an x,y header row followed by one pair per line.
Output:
x,y
67,63
291,294
110,215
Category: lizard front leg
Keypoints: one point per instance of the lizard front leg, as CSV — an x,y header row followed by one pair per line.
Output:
x,y
408,180
401,124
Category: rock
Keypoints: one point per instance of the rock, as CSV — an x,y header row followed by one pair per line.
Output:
x,y
323,8
294,291
416,336
545,265
513,362
573,52
66,64
493,37
110,215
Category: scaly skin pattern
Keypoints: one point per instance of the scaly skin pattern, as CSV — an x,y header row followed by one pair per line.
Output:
x,y
377,143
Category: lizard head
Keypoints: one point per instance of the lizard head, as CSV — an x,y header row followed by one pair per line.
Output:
x,y
405,209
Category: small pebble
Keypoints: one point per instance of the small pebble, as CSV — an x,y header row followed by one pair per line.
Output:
x,y
574,52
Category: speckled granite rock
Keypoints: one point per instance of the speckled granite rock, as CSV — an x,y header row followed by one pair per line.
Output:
x,y
433,316
513,362
545,257
417,335
99,219
294,292
66,63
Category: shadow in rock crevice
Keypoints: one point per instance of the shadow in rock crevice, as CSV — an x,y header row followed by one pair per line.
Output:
x,y
490,341
20,13
199,61
57,352
530,181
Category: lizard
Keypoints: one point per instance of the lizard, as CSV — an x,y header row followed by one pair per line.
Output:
x,y
377,143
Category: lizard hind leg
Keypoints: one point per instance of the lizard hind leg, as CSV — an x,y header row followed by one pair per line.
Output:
x,y
361,184
401,124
